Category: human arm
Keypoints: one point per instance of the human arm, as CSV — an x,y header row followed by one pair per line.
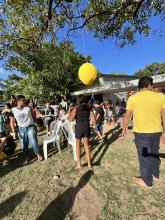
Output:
x,y
127,116
72,113
126,120
12,125
41,115
3,142
97,116
51,112
49,115
97,113
35,118
93,118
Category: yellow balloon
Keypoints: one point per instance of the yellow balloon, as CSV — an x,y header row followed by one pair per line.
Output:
x,y
87,73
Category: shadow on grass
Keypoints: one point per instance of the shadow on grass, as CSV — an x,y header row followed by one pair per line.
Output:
x,y
41,134
113,130
54,150
15,162
104,147
61,206
11,203
95,143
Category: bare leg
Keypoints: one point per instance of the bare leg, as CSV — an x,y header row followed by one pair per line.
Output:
x,y
47,130
99,134
3,142
87,151
82,141
78,143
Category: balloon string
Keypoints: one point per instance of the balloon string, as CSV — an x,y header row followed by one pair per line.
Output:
x,y
82,34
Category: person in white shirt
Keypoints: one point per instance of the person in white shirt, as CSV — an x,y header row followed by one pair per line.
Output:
x,y
27,131
64,104
55,107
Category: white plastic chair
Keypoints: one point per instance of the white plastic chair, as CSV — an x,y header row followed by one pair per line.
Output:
x,y
68,130
52,138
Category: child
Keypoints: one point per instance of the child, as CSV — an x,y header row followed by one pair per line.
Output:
x,y
48,116
63,115
110,116
7,144
99,113
82,113
117,109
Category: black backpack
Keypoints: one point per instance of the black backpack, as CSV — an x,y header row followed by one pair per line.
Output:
x,y
10,146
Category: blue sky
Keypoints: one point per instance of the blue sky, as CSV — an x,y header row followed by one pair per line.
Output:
x,y
107,57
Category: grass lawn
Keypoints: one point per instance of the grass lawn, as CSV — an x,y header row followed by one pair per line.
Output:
x,y
107,192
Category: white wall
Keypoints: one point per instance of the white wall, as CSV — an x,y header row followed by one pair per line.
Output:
x,y
116,85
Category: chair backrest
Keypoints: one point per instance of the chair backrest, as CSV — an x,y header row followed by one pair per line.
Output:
x,y
58,127
68,130
53,127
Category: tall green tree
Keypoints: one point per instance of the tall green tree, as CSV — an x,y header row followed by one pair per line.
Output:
x,y
34,35
152,70
11,86
48,73
25,24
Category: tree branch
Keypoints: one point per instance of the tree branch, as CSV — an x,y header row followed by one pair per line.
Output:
x,y
138,8
49,14
124,5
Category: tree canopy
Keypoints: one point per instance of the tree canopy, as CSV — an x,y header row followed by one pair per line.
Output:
x,y
11,85
50,72
152,69
25,24
35,34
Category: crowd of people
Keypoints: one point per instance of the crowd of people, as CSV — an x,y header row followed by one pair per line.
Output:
x,y
23,119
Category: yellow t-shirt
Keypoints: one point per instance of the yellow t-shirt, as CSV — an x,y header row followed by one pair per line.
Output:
x,y
146,107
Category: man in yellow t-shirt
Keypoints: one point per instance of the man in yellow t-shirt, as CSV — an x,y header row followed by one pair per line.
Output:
x,y
148,110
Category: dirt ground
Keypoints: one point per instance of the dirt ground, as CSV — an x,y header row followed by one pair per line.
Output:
x,y
54,189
